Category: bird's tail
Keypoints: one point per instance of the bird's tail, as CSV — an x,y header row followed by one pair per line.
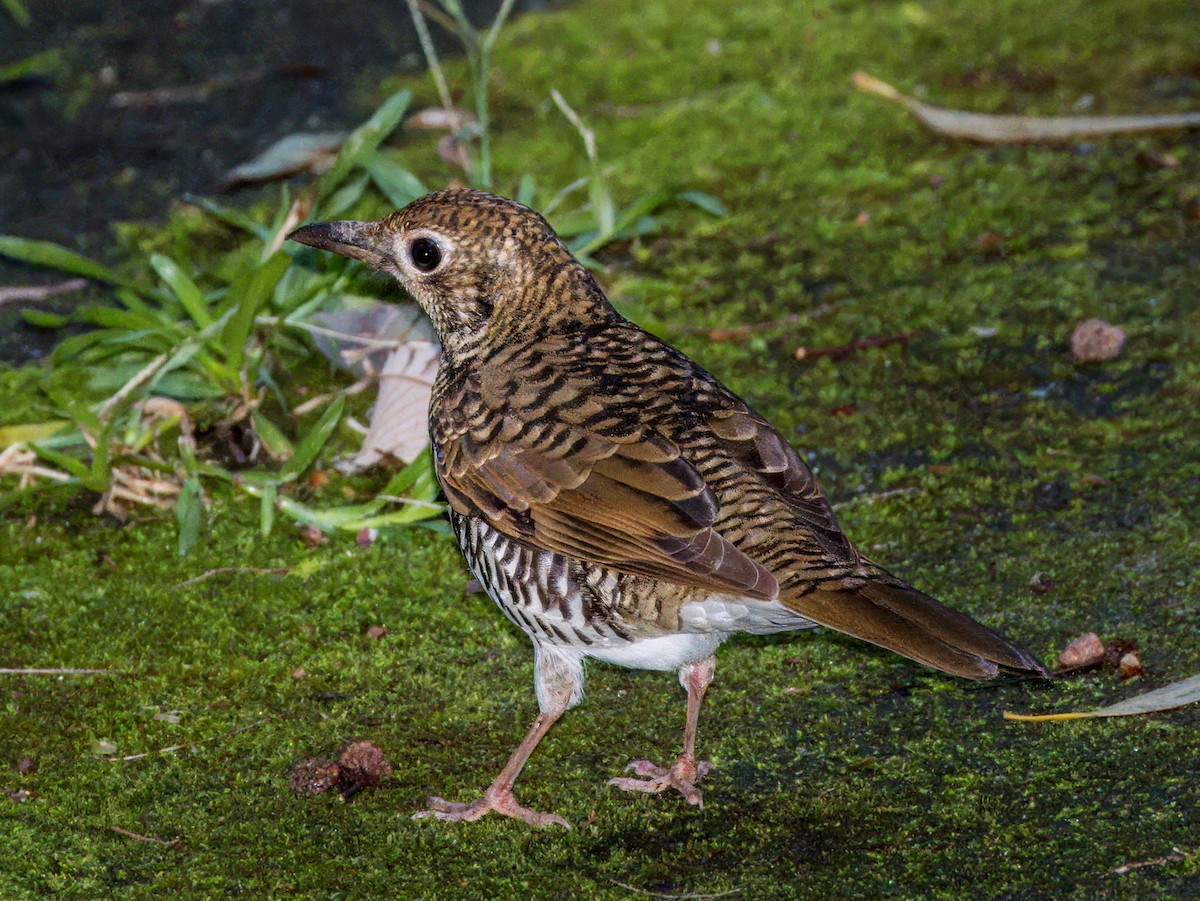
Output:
x,y
894,615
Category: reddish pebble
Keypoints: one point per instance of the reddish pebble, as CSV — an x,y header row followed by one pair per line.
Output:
x,y
1095,341
1130,666
1085,651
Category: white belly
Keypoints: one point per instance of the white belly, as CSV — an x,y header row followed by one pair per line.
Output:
x,y
665,652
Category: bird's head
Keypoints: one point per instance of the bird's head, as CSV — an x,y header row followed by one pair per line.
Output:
x,y
484,269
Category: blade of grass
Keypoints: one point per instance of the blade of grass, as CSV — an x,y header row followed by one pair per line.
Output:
x,y
249,292
54,256
189,514
362,143
395,182
185,289
310,445
229,216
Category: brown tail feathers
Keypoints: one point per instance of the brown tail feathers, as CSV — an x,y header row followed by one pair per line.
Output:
x,y
894,615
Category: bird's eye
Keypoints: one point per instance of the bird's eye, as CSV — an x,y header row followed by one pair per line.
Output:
x,y
425,254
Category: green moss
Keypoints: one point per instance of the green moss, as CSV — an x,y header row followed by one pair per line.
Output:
x,y
967,461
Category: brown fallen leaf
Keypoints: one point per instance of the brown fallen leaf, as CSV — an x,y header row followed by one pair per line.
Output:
x,y
1095,341
311,776
1177,694
992,129
362,765
1150,160
452,151
400,421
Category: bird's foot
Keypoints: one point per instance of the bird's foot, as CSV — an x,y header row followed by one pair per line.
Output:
x,y
682,776
493,801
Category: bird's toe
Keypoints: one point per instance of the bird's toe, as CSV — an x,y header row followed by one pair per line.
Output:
x,y
492,802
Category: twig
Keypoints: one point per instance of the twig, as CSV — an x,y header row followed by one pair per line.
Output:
x,y
173,843
371,343
991,129
195,744
844,350
188,93
1177,857
60,672
139,378
689,895
872,498
321,399
40,292
221,570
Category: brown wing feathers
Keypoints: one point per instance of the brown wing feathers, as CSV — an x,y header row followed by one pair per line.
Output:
x,y
619,492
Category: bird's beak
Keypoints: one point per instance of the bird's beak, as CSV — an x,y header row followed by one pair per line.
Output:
x,y
357,240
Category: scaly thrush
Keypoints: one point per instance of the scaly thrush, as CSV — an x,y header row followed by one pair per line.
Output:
x,y
617,501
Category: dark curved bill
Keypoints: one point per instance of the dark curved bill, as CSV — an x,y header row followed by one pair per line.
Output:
x,y
355,240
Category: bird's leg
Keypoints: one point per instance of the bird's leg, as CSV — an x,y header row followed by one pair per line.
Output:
x,y
686,771
559,685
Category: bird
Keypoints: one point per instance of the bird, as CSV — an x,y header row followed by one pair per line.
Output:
x,y
615,500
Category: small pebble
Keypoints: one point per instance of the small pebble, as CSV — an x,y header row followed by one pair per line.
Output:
x,y
1095,341
1129,666
1085,651
312,536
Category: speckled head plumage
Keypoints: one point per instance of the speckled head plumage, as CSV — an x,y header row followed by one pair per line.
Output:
x,y
484,268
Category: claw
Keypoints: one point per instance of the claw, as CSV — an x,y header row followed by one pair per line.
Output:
x,y
682,777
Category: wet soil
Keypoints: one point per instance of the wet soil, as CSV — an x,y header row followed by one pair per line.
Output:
x,y
90,143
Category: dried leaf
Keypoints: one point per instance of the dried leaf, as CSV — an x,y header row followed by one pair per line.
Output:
x,y
436,118
360,333
400,422
1177,694
290,155
991,129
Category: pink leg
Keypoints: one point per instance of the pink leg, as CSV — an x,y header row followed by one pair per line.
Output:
x,y
557,687
499,795
685,772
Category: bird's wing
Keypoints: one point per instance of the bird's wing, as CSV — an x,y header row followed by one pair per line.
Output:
x,y
631,502
743,440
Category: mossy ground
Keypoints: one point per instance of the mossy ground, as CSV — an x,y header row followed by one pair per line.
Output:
x,y
841,771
